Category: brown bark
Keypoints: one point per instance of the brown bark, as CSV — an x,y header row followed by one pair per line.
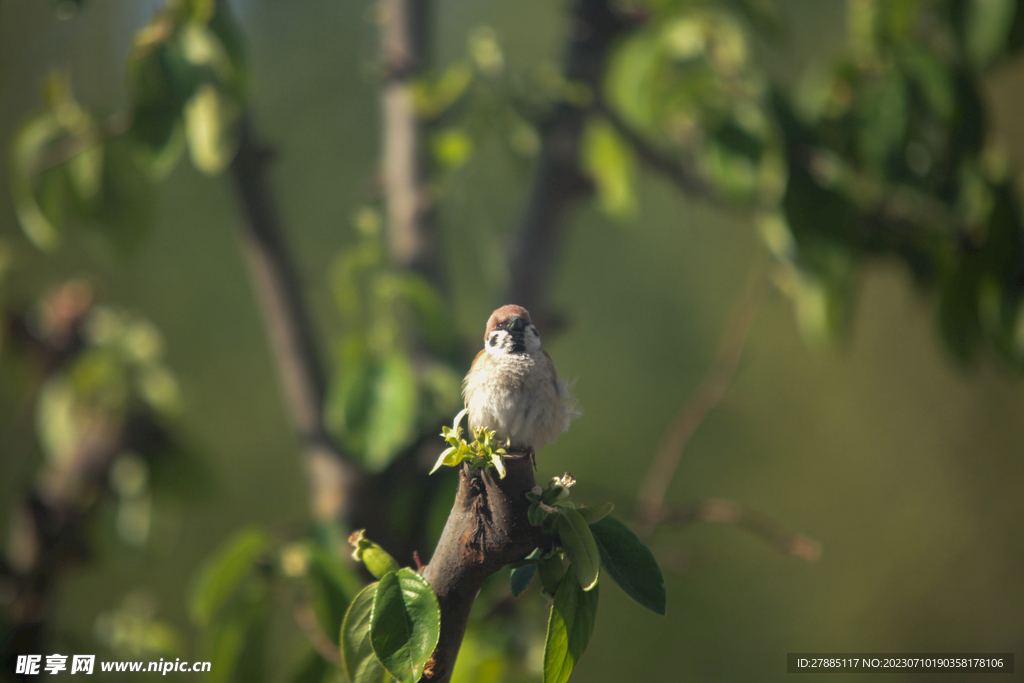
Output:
x,y
411,227
486,530
559,182
333,478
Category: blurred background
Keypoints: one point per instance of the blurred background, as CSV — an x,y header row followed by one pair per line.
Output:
x,y
840,175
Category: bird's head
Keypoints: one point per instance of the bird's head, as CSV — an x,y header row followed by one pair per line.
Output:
x,y
510,331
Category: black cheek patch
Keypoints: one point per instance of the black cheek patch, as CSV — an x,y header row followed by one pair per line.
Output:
x,y
493,341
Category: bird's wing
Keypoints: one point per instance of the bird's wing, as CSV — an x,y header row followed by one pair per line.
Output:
x,y
552,373
480,357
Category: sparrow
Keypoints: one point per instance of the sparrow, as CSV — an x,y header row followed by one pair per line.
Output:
x,y
513,386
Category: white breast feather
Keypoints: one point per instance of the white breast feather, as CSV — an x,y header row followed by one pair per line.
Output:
x,y
497,399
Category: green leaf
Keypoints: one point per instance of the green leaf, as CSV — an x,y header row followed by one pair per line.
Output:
x,y
224,571
432,95
595,514
159,88
499,464
432,313
332,583
252,663
570,626
535,515
28,143
56,427
394,409
125,209
159,137
404,624
56,164
738,139
59,167
212,119
206,56
85,171
523,574
348,398
235,643
988,24
157,73
391,628
823,292
358,660
630,563
552,571
814,212
932,78
373,402
443,459
555,492
632,74
451,148
580,547
521,578
223,647
223,25
379,561
884,118
609,161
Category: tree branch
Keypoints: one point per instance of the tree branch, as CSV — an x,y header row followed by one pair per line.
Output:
x,y
722,511
651,496
70,147
305,617
685,179
411,228
333,478
559,181
486,530
49,529
487,527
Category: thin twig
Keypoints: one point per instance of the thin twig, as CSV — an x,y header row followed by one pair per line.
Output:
x,y
306,618
651,496
332,476
685,179
886,209
722,511
70,147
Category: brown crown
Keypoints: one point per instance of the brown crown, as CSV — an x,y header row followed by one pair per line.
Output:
x,y
504,313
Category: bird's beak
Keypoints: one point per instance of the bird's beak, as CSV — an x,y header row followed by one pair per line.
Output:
x,y
515,324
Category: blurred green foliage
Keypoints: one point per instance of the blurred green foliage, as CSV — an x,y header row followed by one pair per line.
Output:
x,y
881,151
383,397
